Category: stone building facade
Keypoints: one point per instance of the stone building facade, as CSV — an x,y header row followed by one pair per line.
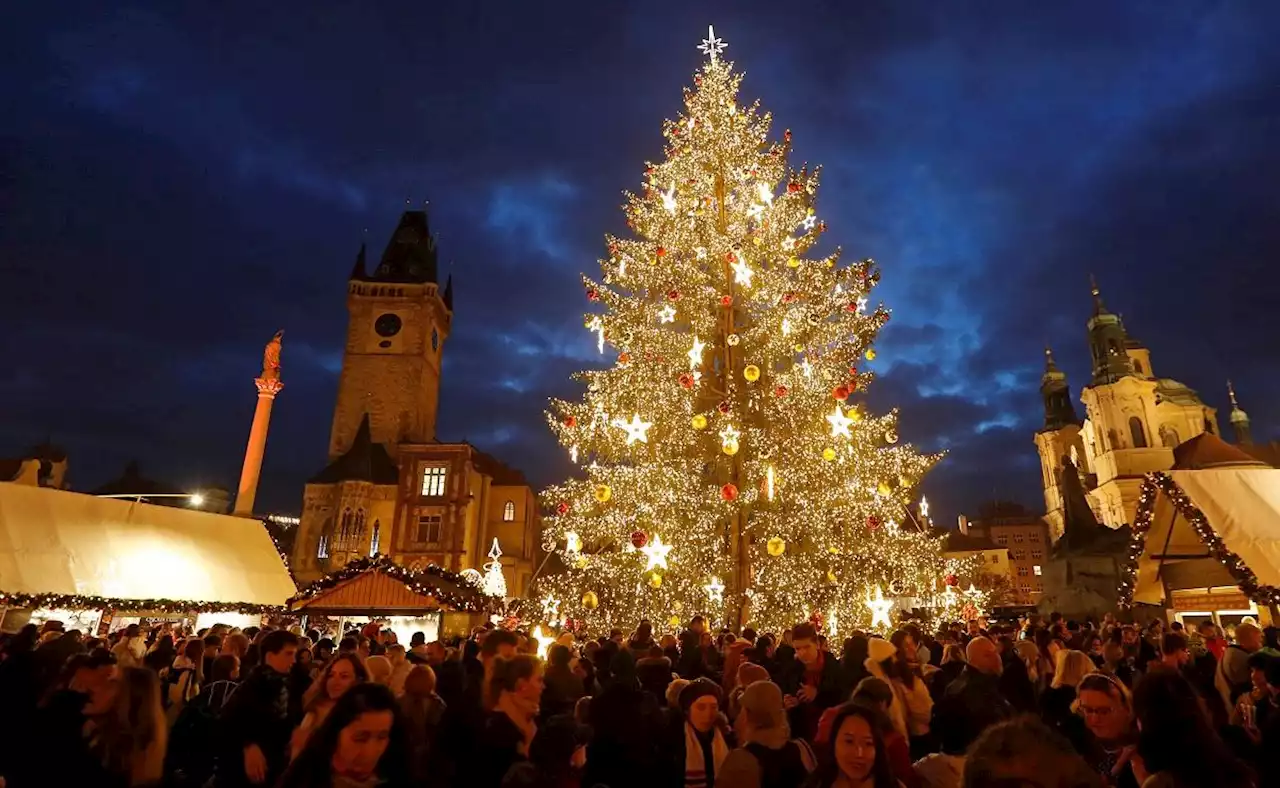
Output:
x,y
390,486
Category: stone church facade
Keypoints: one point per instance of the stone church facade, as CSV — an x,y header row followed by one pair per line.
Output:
x,y
390,486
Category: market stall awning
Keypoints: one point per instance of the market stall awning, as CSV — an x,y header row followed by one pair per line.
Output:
x,y
71,550
380,586
1206,528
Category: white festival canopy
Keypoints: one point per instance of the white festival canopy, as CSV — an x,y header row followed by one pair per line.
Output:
x,y
54,542
1208,528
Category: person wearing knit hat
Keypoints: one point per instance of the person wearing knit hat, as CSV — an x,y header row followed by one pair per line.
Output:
x,y
748,674
765,745
705,747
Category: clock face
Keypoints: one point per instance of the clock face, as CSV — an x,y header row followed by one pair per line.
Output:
x,y
388,325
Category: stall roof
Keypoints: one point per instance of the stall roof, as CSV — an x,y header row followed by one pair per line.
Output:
x,y
1199,528
380,585
66,549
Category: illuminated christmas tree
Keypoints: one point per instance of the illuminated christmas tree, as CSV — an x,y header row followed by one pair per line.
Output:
x,y
731,468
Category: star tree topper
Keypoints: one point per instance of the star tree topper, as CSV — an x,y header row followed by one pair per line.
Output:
x,y
712,46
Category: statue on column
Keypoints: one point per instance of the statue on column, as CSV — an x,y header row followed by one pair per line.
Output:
x,y
271,357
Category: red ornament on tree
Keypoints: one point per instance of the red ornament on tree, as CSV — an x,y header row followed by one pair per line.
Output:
x,y
639,539
593,295
729,492
723,407
673,295
853,370
786,135
840,393
624,357
562,508
952,580
686,380
793,187
662,252
873,523
780,391
788,297
613,248
570,421
852,306
726,301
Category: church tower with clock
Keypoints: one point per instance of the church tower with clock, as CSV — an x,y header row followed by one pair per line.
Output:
x,y
391,487
398,319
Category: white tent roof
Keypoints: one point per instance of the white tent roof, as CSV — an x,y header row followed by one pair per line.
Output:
x,y
1241,508
57,542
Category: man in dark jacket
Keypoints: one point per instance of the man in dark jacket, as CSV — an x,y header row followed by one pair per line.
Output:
x,y
974,699
812,684
256,724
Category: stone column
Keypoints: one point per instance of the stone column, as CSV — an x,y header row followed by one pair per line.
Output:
x,y
269,385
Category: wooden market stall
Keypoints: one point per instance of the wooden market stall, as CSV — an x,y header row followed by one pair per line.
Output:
x,y
433,600
1206,539
98,564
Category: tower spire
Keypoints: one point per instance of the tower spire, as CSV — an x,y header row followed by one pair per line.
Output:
x,y
1098,307
1239,419
1056,393
1108,342
358,270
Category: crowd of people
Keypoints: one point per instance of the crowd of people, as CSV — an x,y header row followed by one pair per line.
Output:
x,y
1033,703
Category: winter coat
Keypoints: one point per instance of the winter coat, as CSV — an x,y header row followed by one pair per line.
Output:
x,y
940,771
912,706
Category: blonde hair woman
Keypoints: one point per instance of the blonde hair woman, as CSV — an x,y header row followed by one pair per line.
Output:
x,y
130,735
341,674
1057,701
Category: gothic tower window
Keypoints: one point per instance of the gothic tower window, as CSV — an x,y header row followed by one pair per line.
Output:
x,y
1113,440
509,512
343,542
357,535
322,547
377,537
1136,433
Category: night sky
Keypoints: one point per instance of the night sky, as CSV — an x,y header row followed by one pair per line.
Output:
x,y
176,185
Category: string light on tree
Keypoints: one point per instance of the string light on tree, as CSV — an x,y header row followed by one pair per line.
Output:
x,y
545,641
769,327
495,583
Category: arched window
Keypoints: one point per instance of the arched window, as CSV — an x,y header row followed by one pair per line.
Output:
x,y
322,547
377,537
509,512
358,534
1169,437
1136,433
1113,440
343,541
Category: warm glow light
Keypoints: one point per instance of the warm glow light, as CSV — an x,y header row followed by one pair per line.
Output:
x,y
839,423
695,353
197,499
636,429
768,483
545,641
715,590
880,607
656,552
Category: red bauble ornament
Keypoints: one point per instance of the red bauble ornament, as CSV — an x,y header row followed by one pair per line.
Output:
x,y
570,421
726,301
723,407
662,252
624,357
788,297
613,248
952,580
673,295
731,257
639,539
780,391
852,306
697,81
729,492
686,380
840,393
793,187
786,135
593,295
853,370
562,508
873,523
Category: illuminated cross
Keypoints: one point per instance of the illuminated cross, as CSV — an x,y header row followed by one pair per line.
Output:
x,y
656,552
712,46
636,429
839,423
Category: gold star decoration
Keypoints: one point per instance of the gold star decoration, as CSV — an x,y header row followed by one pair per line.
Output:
x,y
742,273
667,314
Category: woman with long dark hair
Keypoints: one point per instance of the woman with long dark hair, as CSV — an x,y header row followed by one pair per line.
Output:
x,y
854,757
360,744
1177,744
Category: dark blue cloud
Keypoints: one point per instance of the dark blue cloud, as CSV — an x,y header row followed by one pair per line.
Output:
x,y
178,184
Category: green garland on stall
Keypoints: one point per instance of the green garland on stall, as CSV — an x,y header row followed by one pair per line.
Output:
x,y
424,582
84,602
1156,483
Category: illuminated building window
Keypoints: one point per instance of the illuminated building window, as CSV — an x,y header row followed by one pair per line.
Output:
x,y
995,558
1002,539
1017,538
433,479
509,512
429,528
322,549
1037,554
1036,569
377,538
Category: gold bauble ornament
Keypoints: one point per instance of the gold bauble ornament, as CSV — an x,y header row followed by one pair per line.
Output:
x,y
677,606
793,262
580,562
590,601
855,415
904,482
776,546
891,436
870,354
751,373
828,454
674,621
603,493
655,580
699,422
730,447
883,490
799,348
758,240
831,577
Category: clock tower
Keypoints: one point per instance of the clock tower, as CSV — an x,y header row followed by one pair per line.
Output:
x,y
397,322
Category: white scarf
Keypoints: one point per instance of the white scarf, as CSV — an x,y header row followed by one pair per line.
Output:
x,y
695,765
